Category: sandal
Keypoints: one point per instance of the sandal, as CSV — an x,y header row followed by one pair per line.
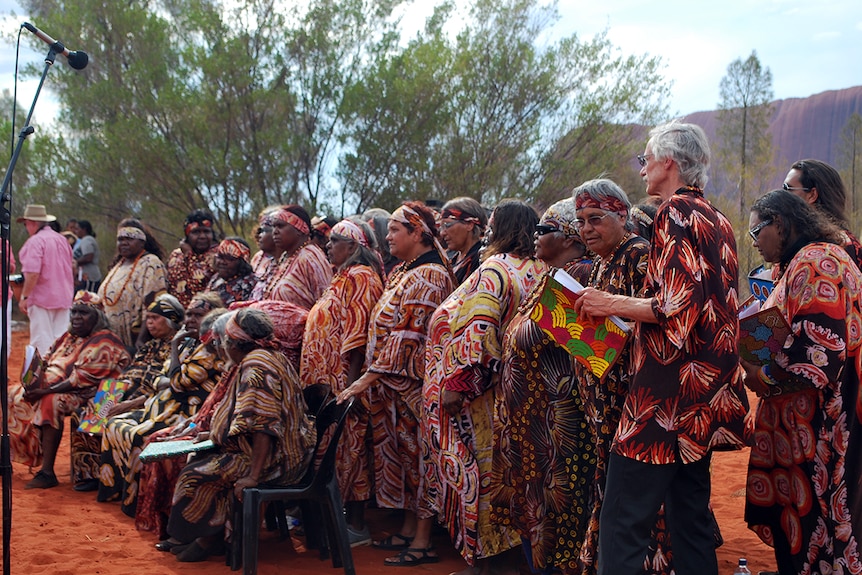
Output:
x,y
394,542
411,557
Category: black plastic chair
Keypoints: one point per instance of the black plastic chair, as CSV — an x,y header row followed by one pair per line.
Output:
x,y
318,489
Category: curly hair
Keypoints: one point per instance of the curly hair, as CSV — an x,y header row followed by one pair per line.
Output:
x,y
801,224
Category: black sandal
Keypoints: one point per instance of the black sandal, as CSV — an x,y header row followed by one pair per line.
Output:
x,y
394,542
411,557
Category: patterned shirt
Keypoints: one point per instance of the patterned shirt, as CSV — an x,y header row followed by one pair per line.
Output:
x,y
189,273
299,278
687,396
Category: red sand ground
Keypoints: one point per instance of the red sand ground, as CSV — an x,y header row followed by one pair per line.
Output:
x,y
60,532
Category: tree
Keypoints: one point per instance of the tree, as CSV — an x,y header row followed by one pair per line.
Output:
x,y
850,158
744,143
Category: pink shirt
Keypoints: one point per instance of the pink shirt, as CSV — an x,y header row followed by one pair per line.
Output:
x,y
48,254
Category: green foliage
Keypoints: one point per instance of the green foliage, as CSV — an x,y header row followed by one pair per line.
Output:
x,y
236,106
849,154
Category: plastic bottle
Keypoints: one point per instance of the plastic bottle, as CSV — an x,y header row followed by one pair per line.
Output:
x,y
742,567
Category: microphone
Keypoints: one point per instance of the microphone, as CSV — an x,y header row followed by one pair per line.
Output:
x,y
76,59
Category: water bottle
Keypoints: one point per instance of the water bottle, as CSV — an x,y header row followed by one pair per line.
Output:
x,y
742,567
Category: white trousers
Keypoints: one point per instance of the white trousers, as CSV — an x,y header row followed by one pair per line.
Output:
x,y
46,325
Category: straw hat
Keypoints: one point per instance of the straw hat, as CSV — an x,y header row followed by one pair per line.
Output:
x,y
36,213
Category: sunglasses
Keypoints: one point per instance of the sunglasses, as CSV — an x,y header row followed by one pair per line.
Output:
x,y
755,231
642,158
787,188
542,230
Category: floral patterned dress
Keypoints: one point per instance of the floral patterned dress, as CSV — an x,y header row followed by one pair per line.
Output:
x,y
337,325
803,473
189,273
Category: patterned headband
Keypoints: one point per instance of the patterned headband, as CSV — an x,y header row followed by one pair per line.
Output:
x,y
132,233
609,204
233,248
351,231
459,215
410,217
192,225
561,216
641,216
165,308
234,331
289,217
88,299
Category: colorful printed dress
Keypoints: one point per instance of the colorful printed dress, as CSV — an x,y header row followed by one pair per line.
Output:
x,y
397,334
544,452
263,396
124,435
238,288
803,472
125,289
189,273
147,363
299,278
82,361
463,354
336,326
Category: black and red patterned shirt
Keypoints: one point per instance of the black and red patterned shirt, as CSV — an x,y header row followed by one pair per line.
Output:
x,y
687,396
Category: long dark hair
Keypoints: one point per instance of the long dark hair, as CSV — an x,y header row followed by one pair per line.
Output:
x,y
831,193
512,225
797,218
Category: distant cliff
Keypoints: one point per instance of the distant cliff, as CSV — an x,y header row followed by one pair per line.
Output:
x,y
801,127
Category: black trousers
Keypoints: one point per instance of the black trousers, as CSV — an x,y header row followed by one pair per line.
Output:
x,y
634,493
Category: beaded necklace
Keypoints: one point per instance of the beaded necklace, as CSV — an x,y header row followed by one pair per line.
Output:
x,y
282,268
398,272
597,274
113,302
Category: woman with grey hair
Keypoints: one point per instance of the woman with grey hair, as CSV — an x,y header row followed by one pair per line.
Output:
x,y
333,352
462,225
378,219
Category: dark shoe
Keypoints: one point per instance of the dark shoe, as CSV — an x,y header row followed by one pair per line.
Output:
x,y
394,542
411,557
177,549
87,485
42,481
194,553
168,545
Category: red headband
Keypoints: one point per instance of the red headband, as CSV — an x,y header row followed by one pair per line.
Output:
x,y
233,248
289,217
608,204
459,215
192,225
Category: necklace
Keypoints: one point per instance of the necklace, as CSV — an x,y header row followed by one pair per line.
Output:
x,y
113,302
282,267
398,272
597,274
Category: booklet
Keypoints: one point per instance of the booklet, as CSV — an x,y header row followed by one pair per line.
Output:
x,y
33,367
595,344
109,394
164,449
762,335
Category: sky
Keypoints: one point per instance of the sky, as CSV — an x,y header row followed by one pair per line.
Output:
x,y
809,46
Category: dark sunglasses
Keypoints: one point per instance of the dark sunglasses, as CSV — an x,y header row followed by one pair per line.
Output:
x,y
787,188
541,230
755,231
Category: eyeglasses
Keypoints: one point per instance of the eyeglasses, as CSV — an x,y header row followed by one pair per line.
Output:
x,y
787,188
542,230
642,158
449,223
755,231
592,220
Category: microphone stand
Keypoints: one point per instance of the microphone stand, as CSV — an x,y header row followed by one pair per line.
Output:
x,y
5,222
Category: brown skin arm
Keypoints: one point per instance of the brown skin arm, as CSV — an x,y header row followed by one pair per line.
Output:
x,y
260,447
597,303
36,394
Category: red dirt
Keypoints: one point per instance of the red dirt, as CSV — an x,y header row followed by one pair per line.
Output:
x,y
61,532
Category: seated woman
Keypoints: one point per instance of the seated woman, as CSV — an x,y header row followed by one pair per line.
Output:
x,y
85,355
157,478
234,279
187,381
261,431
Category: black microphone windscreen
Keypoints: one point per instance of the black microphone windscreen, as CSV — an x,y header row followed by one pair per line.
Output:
x,y
78,60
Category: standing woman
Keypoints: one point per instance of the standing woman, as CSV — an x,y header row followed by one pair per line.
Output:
x,y
462,376
267,254
462,225
86,254
136,277
820,185
301,273
234,279
396,363
334,349
802,473
559,244
191,265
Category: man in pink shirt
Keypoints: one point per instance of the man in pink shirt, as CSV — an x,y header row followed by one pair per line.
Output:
x,y
46,262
